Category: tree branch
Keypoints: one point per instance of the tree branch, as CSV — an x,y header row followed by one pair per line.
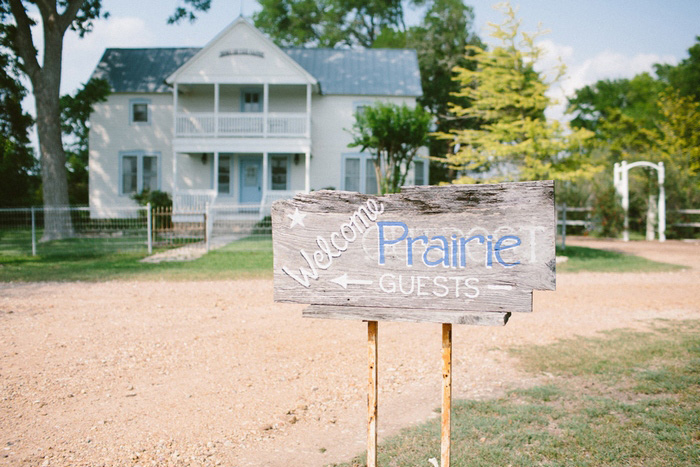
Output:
x,y
23,44
70,13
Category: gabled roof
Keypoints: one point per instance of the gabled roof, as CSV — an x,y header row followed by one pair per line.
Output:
x,y
371,72
242,30
141,70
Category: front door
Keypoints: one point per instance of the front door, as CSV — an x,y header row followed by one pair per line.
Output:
x,y
251,179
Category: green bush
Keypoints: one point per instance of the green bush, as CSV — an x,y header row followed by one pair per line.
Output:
x,y
157,198
608,215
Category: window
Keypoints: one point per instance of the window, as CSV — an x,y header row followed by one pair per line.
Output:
x,y
139,172
140,111
359,174
279,172
360,106
224,182
251,100
419,177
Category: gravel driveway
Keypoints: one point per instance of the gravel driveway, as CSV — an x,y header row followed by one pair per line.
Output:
x,y
215,373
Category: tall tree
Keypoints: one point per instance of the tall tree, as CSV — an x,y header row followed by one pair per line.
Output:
x,y
508,96
440,41
329,23
18,168
392,134
57,16
684,77
75,118
634,98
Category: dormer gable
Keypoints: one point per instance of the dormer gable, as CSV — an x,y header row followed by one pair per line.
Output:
x,y
241,54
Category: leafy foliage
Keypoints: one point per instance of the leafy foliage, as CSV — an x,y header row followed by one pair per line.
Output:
x,y
75,115
507,97
329,23
188,9
393,134
157,198
685,76
18,167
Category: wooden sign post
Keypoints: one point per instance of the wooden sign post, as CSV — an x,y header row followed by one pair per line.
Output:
x,y
460,254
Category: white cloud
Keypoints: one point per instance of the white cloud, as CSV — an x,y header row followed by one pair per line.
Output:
x,y
605,65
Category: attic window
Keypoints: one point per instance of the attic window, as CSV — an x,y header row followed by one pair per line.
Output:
x,y
251,52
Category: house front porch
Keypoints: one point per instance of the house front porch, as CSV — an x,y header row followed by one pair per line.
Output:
x,y
235,184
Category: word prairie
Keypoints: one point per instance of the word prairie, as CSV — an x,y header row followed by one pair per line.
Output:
x,y
439,250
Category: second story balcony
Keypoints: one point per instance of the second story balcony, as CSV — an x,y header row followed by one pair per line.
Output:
x,y
242,111
241,124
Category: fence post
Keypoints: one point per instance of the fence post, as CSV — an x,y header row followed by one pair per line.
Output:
x,y
207,233
563,226
33,232
149,228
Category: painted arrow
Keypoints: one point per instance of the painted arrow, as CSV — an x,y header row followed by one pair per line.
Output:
x,y
343,281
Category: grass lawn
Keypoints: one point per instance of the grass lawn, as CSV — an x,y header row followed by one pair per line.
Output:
x,y
247,258
624,399
590,259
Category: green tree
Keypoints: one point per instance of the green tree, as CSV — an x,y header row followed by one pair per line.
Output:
x,y
329,23
508,96
634,98
684,77
57,16
75,115
392,134
18,168
440,41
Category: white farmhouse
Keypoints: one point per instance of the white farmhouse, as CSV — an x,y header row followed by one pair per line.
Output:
x,y
239,121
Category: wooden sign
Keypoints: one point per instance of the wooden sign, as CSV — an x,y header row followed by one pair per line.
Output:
x,y
442,254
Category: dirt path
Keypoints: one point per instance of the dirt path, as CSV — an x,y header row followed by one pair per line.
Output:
x,y
215,373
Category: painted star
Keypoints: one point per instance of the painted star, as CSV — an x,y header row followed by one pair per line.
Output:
x,y
297,218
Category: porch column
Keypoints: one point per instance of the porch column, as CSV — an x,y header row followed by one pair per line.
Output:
x,y
307,171
266,95
308,111
264,177
175,96
215,182
216,109
174,173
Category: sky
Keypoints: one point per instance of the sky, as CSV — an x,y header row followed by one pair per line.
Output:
x,y
596,39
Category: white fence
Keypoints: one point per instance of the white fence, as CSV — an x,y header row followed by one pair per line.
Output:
x,y
133,229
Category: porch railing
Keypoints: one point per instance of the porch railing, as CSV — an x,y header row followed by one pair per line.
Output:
x,y
239,124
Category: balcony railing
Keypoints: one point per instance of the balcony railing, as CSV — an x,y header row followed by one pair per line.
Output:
x,y
205,124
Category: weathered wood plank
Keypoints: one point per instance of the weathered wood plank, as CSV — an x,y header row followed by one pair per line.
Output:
x,y
467,248
404,315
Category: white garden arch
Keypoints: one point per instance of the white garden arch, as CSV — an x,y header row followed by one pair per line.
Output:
x,y
621,182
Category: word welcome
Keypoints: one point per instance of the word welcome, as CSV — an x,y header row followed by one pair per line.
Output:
x,y
439,250
338,242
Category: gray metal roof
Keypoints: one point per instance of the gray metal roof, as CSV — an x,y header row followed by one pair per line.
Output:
x,y
375,72
141,70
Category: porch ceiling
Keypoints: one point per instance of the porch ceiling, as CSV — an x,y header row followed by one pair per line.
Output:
x,y
241,145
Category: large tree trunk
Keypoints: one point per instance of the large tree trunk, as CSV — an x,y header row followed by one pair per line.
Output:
x,y
57,220
46,83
